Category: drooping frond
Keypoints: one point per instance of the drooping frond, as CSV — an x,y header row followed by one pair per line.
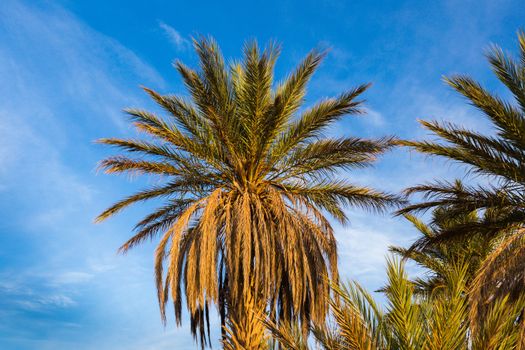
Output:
x,y
502,275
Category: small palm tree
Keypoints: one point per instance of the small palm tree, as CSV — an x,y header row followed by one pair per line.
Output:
x,y
437,256
412,322
247,177
493,258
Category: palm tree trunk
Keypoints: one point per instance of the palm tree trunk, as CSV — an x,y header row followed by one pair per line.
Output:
x,y
245,328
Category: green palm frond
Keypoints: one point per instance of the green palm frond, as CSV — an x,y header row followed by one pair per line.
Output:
x,y
359,319
436,321
447,326
405,317
502,327
443,244
287,335
245,329
500,157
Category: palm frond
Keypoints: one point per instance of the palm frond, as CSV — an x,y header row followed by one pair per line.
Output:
x,y
500,157
501,276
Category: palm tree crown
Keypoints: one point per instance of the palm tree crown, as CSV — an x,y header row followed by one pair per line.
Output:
x,y
501,156
248,178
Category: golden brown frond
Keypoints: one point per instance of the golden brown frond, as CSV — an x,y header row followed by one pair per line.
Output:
x,y
501,274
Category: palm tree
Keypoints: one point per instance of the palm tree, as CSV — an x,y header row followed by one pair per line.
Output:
x,y
500,158
493,258
247,178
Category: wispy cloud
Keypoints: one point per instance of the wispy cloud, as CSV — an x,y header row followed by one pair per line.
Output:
x,y
178,41
62,83
30,292
375,118
31,303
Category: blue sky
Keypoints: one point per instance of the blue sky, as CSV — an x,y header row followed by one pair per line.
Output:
x,y
69,67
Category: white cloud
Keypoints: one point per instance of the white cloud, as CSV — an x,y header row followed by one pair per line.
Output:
x,y
363,245
363,250
175,37
46,302
72,277
27,291
374,118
